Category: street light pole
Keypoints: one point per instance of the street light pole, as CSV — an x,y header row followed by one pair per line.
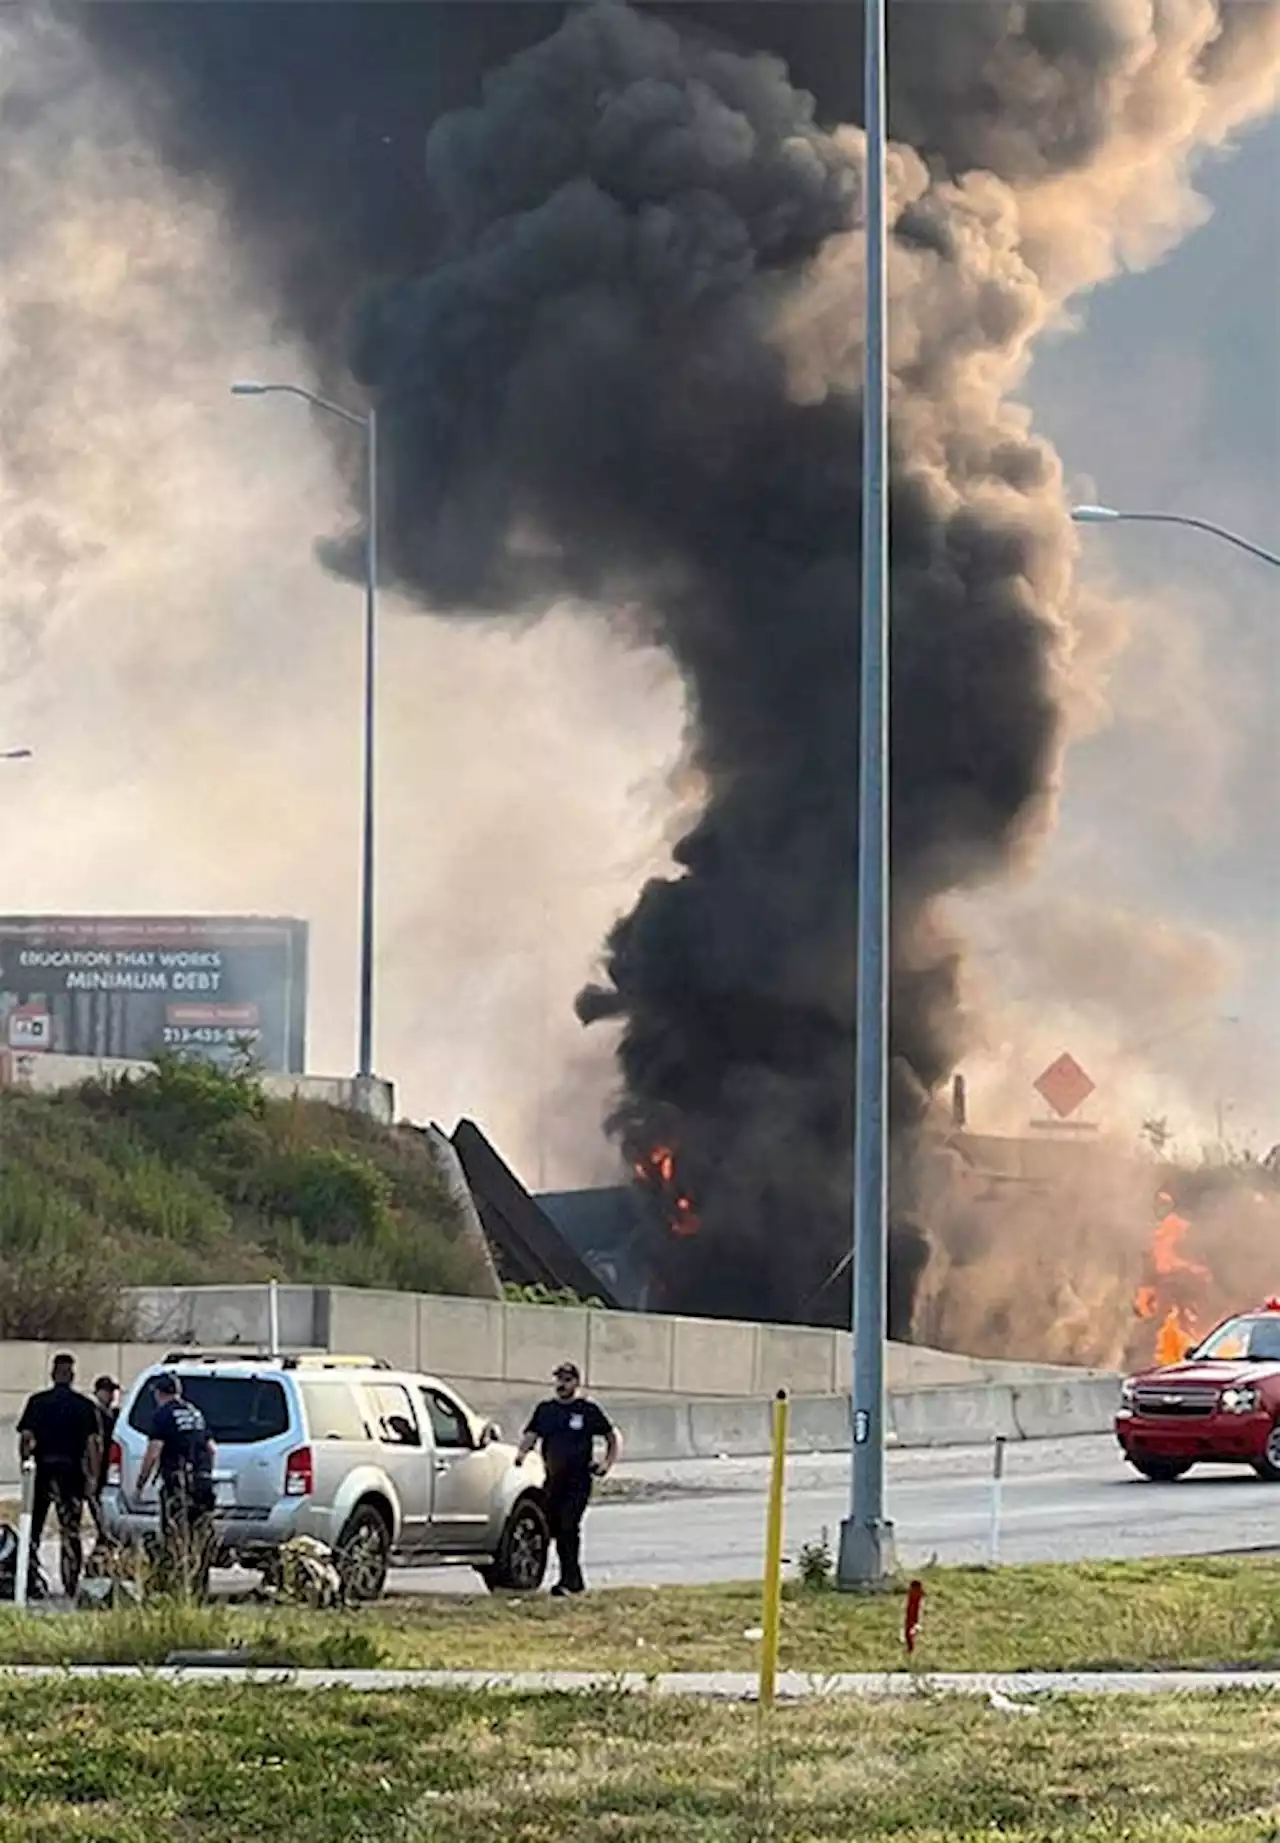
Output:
x,y
1108,515
368,422
867,1555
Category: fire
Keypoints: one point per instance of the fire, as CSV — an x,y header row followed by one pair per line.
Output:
x,y
1173,1270
1170,1231
1177,1337
657,1169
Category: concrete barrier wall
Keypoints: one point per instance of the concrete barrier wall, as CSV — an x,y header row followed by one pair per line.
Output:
x,y
681,1387
657,1426
44,1073
482,1340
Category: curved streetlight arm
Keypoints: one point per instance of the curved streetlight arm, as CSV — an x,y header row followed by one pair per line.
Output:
x,y
252,389
1107,515
368,422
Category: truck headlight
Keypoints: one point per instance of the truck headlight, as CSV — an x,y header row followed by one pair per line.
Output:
x,y
1238,1401
1126,1394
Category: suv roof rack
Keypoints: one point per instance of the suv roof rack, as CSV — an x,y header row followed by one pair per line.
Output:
x,y
300,1360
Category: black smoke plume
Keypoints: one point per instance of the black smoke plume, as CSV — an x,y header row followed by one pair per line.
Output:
x,y
613,330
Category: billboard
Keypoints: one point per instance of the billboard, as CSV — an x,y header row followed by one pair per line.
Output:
x,y
132,986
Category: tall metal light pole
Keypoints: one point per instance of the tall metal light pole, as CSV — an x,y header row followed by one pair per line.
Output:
x,y
1108,515
867,1555
368,422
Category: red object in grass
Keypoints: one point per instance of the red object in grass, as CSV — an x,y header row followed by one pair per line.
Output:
x,y
911,1618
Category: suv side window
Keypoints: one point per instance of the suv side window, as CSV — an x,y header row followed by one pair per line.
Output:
x,y
449,1428
393,1407
333,1412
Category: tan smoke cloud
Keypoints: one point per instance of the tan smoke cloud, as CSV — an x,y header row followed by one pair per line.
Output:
x,y
189,676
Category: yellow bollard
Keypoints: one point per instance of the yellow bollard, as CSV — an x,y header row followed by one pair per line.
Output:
x,y
773,1554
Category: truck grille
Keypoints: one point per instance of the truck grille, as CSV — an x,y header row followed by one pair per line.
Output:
x,y
1184,1403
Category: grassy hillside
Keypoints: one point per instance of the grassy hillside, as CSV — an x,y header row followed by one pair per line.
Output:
x,y
191,1175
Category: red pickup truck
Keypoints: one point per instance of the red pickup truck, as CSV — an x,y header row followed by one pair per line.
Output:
x,y
1220,1405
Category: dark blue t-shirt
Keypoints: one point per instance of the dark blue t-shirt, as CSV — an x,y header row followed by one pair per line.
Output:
x,y
184,1439
567,1430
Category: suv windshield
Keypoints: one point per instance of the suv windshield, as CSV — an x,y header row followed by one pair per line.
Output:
x,y
239,1410
1244,1340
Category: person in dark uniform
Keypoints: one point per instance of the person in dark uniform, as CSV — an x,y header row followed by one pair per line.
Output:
x,y
182,1452
59,1430
567,1426
106,1395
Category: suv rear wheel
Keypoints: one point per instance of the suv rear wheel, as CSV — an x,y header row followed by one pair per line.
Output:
x,y
1268,1466
363,1552
1160,1471
521,1561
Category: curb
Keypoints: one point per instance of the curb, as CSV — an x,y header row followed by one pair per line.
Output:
x,y
792,1686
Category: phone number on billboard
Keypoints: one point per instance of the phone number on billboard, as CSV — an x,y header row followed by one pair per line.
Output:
x,y
182,1036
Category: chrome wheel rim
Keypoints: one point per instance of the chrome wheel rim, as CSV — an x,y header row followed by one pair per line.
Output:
x,y
362,1563
525,1550
1273,1447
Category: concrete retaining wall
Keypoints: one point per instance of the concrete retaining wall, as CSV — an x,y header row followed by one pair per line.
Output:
x,y
49,1074
737,1429
655,1426
487,1341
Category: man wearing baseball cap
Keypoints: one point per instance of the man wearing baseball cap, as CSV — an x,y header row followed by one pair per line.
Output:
x,y
568,1425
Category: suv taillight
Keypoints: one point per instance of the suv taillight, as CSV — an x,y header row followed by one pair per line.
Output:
x,y
299,1474
115,1459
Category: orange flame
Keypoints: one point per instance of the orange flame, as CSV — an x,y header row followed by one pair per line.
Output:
x,y
657,1168
1177,1331
1177,1337
1169,1234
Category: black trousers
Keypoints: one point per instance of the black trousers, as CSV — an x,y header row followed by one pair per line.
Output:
x,y
62,1488
567,1500
187,1506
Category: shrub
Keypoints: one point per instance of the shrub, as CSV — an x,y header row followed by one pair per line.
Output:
x,y
816,1565
189,1174
538,1294
52,1297
181,1100
333,1195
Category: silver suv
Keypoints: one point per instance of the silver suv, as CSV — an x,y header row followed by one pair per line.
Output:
x,y
382,1465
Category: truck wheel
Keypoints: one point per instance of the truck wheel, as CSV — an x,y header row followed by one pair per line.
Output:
x,y
1268,1466
521,1561
363,1553
1160,1471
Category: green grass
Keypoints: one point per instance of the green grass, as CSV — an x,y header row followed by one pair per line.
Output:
x,y
133,1763
189,1173
1204,1611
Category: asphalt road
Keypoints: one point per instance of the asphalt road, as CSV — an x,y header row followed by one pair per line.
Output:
x,y
1063,1500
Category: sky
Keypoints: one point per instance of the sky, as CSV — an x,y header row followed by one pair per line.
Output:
x,y
188,677
1166,397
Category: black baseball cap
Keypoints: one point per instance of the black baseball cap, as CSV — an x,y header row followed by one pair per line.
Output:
x,y
166,1383
569,1371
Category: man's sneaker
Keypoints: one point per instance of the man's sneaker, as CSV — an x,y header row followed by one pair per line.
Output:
x,y
559,1591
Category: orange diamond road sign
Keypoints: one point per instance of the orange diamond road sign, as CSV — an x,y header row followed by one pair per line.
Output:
x,y
1064,1085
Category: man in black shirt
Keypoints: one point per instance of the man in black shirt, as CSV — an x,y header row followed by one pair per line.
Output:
x,y
568,1426
106,1395
182,1452
59,1430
